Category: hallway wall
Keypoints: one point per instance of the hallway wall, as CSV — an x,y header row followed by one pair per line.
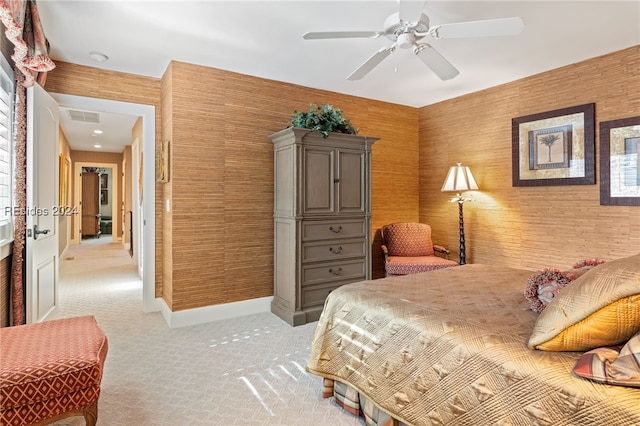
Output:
x,y
64,221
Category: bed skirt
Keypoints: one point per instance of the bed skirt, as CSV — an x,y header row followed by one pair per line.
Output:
x,y
352,401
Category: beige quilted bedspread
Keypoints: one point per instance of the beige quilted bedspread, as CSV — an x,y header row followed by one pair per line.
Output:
x,y
449,347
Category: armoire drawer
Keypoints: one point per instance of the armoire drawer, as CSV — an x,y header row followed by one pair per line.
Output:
x,y
318,251
317,273
315,295
332,229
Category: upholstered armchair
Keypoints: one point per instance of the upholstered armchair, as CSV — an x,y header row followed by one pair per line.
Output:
x,y
408,249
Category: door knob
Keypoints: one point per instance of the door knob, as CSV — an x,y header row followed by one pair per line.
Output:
x,y
37,231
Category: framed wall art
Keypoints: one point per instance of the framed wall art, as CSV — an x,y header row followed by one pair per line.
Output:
x,y
64,173
554,148
162,162
620,162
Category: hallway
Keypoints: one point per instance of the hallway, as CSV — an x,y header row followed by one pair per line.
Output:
x,y
95,276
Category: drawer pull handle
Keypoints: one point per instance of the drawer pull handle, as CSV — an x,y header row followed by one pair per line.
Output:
x,y
335,250
335,230
335,271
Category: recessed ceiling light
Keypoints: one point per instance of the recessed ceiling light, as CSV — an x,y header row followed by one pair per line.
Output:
x,y
97,145
97,132
98,57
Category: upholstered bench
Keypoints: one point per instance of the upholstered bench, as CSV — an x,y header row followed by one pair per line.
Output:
x,y
51,370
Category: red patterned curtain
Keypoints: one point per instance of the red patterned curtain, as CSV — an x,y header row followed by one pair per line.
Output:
x,y
31,48
30,56
19,221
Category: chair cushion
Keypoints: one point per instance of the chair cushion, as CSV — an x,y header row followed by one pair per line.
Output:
x,y
403,265
45,364
408,239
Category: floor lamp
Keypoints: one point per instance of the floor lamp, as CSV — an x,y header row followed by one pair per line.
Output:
x,y
460,179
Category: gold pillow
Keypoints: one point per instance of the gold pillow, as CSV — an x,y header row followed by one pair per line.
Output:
x,y
601,308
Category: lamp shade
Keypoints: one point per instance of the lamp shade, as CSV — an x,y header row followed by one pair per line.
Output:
x,y
459,179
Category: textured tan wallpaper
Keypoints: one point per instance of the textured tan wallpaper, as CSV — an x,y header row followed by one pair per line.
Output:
x,y
220,247
215,245
528,227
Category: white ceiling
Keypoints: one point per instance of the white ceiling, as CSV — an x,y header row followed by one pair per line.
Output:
x,y
116,129
264,39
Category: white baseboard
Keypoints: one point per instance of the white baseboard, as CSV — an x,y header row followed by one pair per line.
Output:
x,y
214,313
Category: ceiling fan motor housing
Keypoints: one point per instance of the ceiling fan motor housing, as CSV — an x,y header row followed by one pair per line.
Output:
x,y
405,32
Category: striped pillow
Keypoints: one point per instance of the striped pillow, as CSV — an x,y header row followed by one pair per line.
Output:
x,y
612,365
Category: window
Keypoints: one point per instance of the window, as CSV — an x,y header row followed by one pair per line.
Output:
x,y
6,151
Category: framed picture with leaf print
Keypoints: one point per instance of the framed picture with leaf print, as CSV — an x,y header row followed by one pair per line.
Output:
x,y
620,162
554,147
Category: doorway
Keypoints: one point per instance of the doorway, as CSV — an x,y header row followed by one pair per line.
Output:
x,y
107,207
143,207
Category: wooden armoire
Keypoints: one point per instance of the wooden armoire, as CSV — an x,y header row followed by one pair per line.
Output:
x,y
90,204
322,218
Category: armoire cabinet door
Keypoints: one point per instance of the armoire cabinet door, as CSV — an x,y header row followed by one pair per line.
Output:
x,y
319,187
334,180
350,177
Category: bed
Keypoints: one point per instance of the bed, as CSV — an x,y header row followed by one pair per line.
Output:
x,y
452,347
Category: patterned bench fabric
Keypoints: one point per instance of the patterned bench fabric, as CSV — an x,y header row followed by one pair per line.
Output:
x,y
43,410
49,368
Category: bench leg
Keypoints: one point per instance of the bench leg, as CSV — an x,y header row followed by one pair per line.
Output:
x,y
91,414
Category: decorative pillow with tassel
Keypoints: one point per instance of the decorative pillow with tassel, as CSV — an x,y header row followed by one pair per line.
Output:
x,y
544,285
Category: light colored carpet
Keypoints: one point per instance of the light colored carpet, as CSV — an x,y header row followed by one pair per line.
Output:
x,y
245,371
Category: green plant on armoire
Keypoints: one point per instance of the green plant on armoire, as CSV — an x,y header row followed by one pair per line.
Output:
x,y
324,119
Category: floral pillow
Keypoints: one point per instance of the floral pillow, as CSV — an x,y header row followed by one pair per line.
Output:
x,y
544,285
582,267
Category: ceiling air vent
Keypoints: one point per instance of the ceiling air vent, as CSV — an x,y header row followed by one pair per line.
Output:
x,y
85,116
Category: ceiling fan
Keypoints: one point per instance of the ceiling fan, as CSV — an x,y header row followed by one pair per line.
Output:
x,y
410,25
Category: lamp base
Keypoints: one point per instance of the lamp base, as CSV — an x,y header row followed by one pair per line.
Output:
x,y
463,256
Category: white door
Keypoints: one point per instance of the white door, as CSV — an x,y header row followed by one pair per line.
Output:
x,y
42,204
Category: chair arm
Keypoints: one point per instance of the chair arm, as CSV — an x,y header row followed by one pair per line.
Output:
x,y
385,251
441,249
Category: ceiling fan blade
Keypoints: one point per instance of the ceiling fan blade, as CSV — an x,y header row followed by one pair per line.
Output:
x,y
341,34
488,28
410,10
371,63
434,60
